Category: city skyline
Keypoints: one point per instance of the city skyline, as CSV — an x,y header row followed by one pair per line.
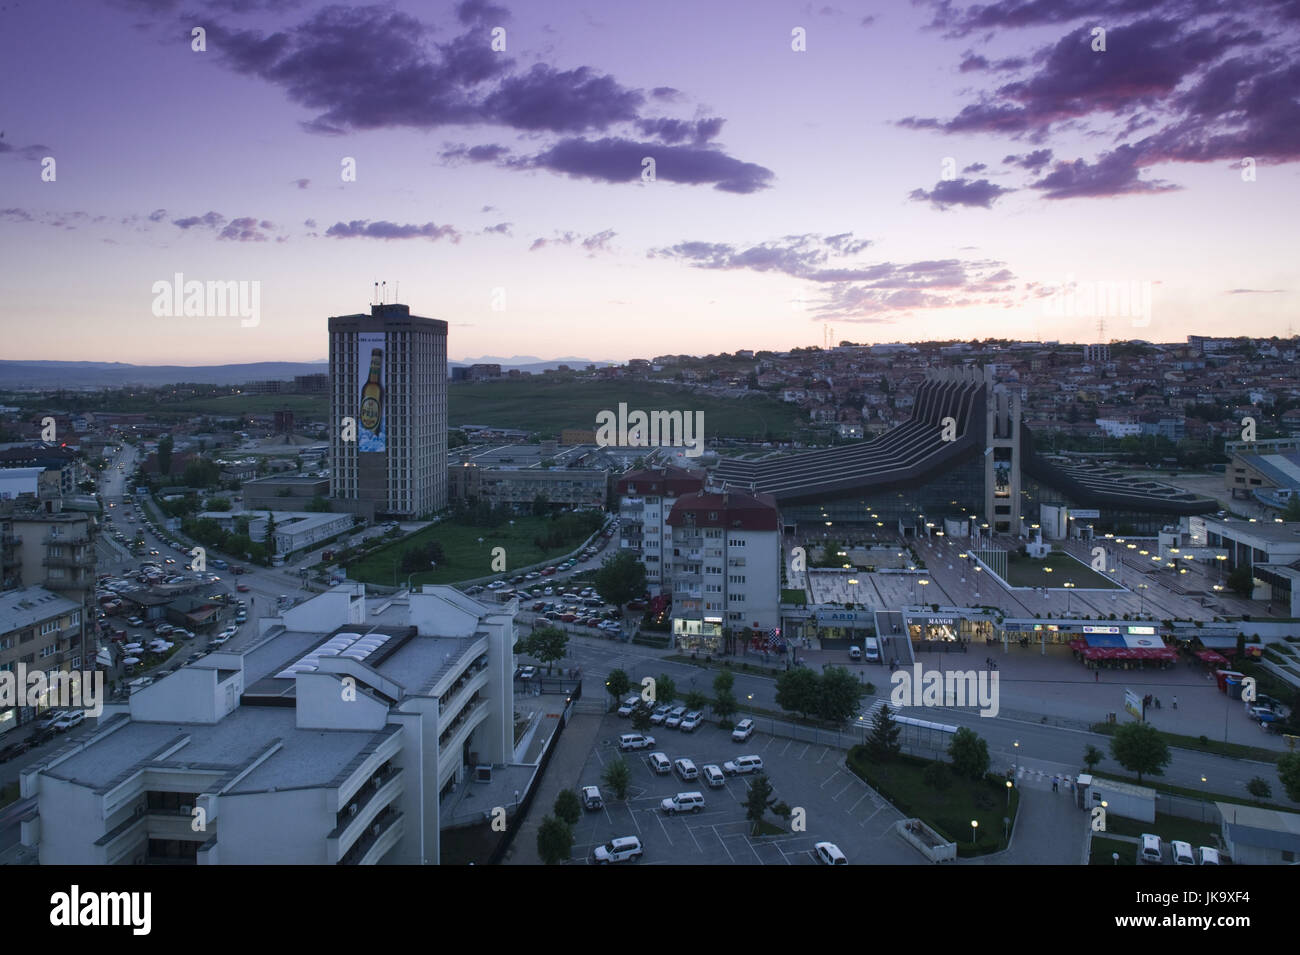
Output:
x,y
927,172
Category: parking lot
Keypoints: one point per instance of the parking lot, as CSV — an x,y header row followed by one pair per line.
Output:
x,y
838,807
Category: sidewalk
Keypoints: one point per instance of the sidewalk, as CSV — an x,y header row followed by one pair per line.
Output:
x,y
563,772
1049,830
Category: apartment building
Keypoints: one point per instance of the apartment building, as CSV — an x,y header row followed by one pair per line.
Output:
x,y
332,739
645,501
41,630
725,569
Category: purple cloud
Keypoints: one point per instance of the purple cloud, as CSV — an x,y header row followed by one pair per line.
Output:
x,y
212,220
960,192
1116,173
1032,161
247,229
620,160
679,130
365,229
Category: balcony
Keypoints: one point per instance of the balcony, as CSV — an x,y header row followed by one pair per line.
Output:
x,y
77,538
381,835
82,559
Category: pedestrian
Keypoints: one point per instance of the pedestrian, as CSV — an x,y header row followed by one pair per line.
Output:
x,y
1096,674
1175,702
1056,782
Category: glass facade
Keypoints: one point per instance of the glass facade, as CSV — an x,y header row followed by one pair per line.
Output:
x,y
957,492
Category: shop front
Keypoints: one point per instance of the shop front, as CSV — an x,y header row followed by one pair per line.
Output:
x,y
841,629
698,636
930,631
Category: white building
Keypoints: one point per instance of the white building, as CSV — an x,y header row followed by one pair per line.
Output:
x,y
294,530
1117,428
645,500
332,738
726,566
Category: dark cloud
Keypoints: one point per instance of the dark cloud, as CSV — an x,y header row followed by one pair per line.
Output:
x,y
501,228
365,229
1032,161
35,151
1115,173
680,130
562,101
158,215
481,12
666,93
302,183
483,153
975,167
16,215
619,160
960,192
247,229
211,220
597,242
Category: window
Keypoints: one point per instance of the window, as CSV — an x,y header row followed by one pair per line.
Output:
x,y
738,598
49,626
735,579
736,542
49,651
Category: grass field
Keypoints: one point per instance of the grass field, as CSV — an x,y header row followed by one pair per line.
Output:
x,y
1029,572
550,405
949,811
1168,828
1103,850
466,558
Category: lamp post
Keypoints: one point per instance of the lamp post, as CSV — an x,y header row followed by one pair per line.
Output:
x,y
1015,754
1009,787
974,827
1069,586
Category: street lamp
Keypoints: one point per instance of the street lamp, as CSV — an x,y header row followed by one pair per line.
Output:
x,y
1009,787
1069,586
974,825
1016,754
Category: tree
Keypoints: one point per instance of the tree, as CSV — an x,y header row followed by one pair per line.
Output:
x,y
1292,513
269,540
759,799
165,455
883,742
796,691
540,505
621,578
318,504
724,681
1241,581
1288,770
1259,788
616,776
554,841
724,706
1092,756
568,807
665,689
547,644
970,754
838,695
641,717
695,700
618,684
1140,749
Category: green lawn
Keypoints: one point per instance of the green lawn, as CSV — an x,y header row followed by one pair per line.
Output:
x,y
949,811
1167,828
1217,747
1102,850
552,404
1029,572
465,557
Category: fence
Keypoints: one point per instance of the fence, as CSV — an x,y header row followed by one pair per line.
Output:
x,y
915,740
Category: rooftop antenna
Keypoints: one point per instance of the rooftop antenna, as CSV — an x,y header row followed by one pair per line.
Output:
x,y
383,300
374,296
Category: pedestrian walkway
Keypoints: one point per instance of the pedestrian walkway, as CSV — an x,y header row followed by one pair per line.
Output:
x,y
563,772
1049,829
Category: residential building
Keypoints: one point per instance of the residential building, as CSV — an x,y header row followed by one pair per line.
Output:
x,y
645,500
43,631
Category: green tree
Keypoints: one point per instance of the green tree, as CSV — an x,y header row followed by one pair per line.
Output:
x,y
883,742
1139,748
1288,770
554,841
165,455
641,717
970,754
838,695
1292,512
759,799
217,504
796,691
724,706
1241,581
695,700
547,644
1092,756
617,777
665,689
618,684
621,578
568,806
1259,788
725,680
540,505
269,540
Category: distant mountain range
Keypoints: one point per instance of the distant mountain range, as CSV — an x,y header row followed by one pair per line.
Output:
x,y
104,374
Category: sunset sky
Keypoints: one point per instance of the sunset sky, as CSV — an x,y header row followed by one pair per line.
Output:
x,y
922,170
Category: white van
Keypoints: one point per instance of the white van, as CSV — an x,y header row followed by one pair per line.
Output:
x,y
855,653
871,649
1151,853
1182,853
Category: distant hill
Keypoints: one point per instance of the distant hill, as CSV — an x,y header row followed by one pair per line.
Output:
x,y
105,374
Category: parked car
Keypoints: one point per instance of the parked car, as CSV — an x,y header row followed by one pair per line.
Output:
x,y
674,718
742,765
691,721
591,798
1151,852
13,749
828,853
660,764
713,777
686,769
661,713
1208,856
526,673
68,720
635,741
1182,853
623,849
683,802
743,731
629,705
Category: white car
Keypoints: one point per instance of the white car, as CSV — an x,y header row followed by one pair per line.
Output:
x,y
683,802
742,765
713,777
1182,853
691,721
828,853
674,719
660,764
635,741
743,731
628,705
623,849
686,769
660,714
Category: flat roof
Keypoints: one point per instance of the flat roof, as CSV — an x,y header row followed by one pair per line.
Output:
x,y
22,608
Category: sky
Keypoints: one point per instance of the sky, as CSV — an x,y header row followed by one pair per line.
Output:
x,y
627,180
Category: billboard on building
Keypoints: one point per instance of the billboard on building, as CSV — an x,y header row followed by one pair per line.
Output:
x,y
372,394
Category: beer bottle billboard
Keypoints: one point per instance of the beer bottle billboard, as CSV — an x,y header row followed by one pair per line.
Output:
x,y
370,436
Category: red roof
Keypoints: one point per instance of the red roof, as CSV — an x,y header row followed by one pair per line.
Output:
x,y
667,481
733,510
